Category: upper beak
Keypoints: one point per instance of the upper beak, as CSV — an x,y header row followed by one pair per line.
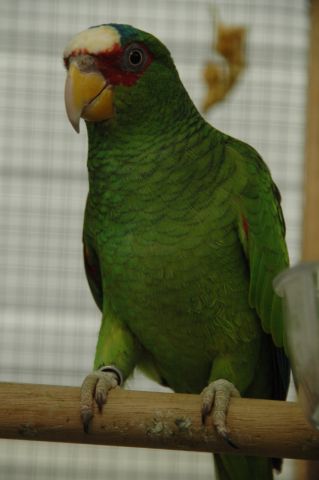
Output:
x,y
87,95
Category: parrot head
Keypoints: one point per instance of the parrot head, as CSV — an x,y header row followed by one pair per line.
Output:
x,y
113,70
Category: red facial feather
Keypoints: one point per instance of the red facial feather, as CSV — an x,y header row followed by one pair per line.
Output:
x,y
110,64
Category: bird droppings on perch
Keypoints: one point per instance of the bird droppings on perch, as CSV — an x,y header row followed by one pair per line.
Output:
x,y
221,74
166,425
159,427
184,424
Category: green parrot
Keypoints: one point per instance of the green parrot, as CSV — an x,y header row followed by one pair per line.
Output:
x,y
183,235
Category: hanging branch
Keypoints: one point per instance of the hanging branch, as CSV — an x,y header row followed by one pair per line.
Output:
x,y
221,73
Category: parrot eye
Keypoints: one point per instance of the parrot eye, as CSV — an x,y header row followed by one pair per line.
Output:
x,y
135,58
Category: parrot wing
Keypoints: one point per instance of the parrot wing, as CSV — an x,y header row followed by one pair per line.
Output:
x,y
261,230
93,274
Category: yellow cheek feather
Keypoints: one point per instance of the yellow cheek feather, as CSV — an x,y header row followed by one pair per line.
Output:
x,y
87,95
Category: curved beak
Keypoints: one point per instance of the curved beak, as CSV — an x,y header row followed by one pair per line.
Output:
x,y
88,95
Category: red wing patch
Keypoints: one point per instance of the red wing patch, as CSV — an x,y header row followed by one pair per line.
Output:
x,y
245,225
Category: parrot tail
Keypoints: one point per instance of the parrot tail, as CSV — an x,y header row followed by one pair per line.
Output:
x,y
237,467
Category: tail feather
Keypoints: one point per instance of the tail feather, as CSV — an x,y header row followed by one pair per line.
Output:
x,y
237,467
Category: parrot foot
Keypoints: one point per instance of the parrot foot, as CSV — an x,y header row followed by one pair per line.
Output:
x,y
215,398
96,386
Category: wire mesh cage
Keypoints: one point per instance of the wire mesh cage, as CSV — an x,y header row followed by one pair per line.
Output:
x,y
49,321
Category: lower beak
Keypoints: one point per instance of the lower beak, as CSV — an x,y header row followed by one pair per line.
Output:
x,y
87,95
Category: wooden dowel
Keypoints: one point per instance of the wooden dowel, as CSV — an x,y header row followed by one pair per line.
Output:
x,y
310,247
155,420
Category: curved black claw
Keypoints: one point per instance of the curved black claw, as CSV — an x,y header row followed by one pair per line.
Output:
x,y
86,419
206,409
229,441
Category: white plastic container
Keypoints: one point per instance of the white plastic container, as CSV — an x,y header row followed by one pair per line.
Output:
x,y
299,288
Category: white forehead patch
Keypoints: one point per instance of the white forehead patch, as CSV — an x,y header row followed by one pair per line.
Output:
x,y
93,40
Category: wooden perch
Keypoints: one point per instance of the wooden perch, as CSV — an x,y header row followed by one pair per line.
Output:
x,y
155,420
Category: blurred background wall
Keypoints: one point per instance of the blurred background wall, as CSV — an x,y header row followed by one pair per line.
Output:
x,y
48,320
